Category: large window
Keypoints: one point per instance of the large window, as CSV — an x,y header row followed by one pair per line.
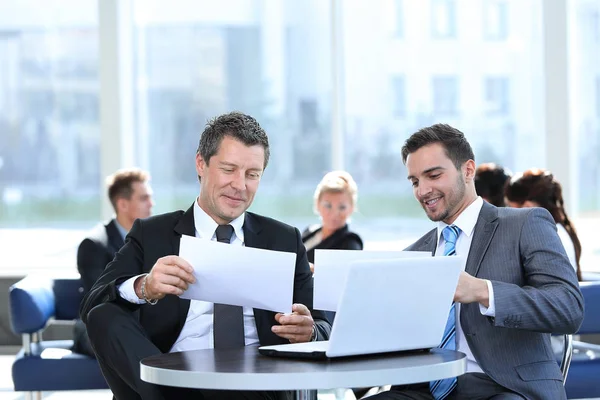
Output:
x,y
584,94
49,116
491,92
495,19
445,95
496,95
443,19
270,59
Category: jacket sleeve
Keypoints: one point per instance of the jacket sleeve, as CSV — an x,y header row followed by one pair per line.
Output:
x,y
303,290
550,300
128,262
352,243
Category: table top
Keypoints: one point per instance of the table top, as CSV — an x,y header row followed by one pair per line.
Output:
x,y
246,369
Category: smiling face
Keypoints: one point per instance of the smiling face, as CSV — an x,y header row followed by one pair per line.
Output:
x,y
442,190
229,180
334,209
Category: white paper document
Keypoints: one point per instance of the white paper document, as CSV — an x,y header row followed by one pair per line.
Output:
x,y
239,275
331,270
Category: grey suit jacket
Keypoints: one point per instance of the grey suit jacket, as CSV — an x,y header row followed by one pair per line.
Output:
x,y
536,293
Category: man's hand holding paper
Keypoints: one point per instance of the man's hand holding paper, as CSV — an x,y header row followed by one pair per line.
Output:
x,y
237,275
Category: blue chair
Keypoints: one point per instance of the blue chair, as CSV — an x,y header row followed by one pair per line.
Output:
x,y
48,365
584,372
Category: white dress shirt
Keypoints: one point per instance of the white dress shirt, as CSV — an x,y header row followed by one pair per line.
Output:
x,y
197,332
466,222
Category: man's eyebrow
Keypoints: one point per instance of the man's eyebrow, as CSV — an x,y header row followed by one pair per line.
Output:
x,y
428,170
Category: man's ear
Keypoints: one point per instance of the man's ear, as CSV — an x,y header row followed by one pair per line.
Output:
x,y
122,205
200,165
469,169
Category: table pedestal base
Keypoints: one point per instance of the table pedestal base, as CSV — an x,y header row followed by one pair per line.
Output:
x,y
305,395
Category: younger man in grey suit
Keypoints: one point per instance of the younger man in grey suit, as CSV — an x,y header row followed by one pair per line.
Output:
x,y
517,288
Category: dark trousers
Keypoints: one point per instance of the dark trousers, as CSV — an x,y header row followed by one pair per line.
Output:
x,y
472,386
120,343
81,341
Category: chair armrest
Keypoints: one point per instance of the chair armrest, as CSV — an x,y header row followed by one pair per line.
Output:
x,y
68,294
32,304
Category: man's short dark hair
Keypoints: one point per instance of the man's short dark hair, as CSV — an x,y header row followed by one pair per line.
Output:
x,y
236,125
455,144
120,184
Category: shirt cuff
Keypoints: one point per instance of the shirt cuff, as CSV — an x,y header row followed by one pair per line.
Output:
x,y
127,291
491,310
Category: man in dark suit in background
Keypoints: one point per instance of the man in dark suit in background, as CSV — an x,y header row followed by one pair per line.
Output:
x,y
147,275
131,197
518,286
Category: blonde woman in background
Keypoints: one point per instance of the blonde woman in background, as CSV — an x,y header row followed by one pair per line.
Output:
x,y
334,201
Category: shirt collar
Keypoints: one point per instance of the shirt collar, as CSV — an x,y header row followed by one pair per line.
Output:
x,y
466,220
206,226
120,228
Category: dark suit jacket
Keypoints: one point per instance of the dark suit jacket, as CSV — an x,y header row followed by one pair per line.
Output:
x,y
342,239
96,251
536,293
159,236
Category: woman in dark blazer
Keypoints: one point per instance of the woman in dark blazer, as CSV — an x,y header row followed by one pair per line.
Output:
x,y
335,200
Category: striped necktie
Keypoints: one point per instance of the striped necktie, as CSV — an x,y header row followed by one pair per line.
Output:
x,y
442,388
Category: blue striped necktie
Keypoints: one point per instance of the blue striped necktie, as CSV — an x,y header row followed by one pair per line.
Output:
x,y
442,388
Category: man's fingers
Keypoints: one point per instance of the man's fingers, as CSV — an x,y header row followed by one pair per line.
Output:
x,y
300,309
165,289
291,330
294,338
175,270
295,319
175,281
176,260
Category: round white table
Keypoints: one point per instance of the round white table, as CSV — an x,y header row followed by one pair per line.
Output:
x,y
246,369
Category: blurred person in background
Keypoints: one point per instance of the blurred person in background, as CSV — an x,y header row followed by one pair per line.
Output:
x,y
334,201
538,188
130,194
490,179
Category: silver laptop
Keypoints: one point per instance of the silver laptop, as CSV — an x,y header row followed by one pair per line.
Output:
x,y
386,306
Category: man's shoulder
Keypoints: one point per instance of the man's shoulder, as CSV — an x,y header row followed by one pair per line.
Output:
x,y
271,224
165,220
97,234
424,243
520,215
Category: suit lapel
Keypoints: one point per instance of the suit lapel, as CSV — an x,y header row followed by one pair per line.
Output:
x,y
114,236
185,226
252,228
486,225
430,243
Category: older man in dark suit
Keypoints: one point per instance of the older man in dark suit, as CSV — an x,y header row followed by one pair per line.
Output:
x,y
131,197
148,276
518,286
